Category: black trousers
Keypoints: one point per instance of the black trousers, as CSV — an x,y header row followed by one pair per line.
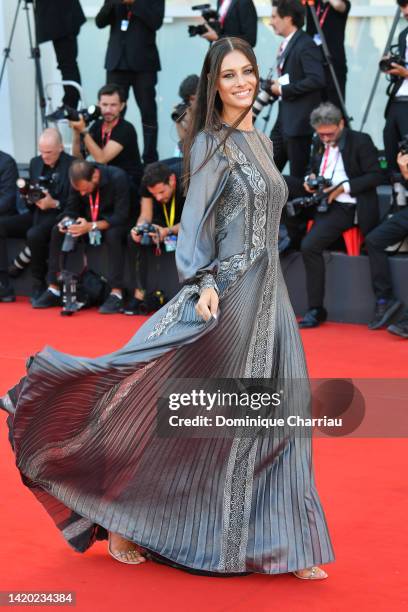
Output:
x,y
295,150
396,126
384,235
37,231
144,89
66,51
327,227
113,237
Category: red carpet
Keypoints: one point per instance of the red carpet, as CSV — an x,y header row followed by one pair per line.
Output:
x,y
360,482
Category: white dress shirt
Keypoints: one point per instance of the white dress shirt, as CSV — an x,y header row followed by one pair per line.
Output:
x,y
332,167
403,90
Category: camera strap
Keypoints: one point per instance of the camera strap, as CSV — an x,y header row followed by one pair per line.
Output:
x,y
94,206
107,132
170,220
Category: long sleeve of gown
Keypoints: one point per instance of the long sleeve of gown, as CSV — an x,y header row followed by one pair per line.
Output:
x,y
196,254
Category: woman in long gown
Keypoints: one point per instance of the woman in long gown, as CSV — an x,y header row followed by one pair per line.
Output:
x,y
84,430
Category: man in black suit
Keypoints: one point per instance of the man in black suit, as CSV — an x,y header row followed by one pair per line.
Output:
x,y
396,111
98,202
60,22
301,79
8,178
36,224
237,18
349,160
132,58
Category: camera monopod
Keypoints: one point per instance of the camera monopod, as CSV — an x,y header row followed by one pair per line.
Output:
x,y
35,55
326,52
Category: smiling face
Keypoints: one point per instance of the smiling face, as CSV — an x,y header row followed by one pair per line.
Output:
x,y
237,83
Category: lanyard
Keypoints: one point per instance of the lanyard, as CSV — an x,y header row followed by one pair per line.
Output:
x,y
94,206
107,132
323,17
225,4
170,222
326,161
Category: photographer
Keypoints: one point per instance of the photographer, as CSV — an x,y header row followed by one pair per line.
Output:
x,y
181,114
8,178
60,23
132,58
159,221
332,16
348,160
98,204
301,79
391,231
49,177
236,18
396,111
110,140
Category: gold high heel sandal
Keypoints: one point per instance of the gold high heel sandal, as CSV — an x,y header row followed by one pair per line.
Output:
x,y
131,556
315,573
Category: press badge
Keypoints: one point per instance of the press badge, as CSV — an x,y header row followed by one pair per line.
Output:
x,y
95,237
170,243
317,40
124,24
284,79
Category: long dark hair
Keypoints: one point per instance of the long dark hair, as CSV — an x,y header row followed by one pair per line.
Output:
x,y
207,107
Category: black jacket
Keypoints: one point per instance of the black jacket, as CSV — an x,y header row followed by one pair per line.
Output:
x,y
396,81
58,18
139,41
303,63
114,201
8,189
241,20
60,189
360,158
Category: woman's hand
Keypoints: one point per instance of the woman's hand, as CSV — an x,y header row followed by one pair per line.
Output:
x,y
207,305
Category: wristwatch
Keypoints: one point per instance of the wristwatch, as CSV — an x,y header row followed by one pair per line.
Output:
x,y
94,226
169,231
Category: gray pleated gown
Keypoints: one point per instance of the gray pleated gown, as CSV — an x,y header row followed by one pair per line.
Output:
x,y
83,430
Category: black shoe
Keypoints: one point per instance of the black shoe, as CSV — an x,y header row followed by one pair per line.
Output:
x,y
7,293
37,291
112,305
59,114
14,271
313,318
400,328
384,310
47,300
133,306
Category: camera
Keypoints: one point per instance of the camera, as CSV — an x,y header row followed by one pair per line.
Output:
x,y
403,145
394,58
89,114
264,96
144,230
319,182
69,240
34,190
319,199
179,111
210,15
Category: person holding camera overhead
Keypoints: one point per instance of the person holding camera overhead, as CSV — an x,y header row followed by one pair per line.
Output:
x,y
235,18
45,200
396,111
332,16
349,161
98,204
110,139
159,222
132,58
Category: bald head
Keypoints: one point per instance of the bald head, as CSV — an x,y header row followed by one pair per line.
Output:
x,y
50,146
